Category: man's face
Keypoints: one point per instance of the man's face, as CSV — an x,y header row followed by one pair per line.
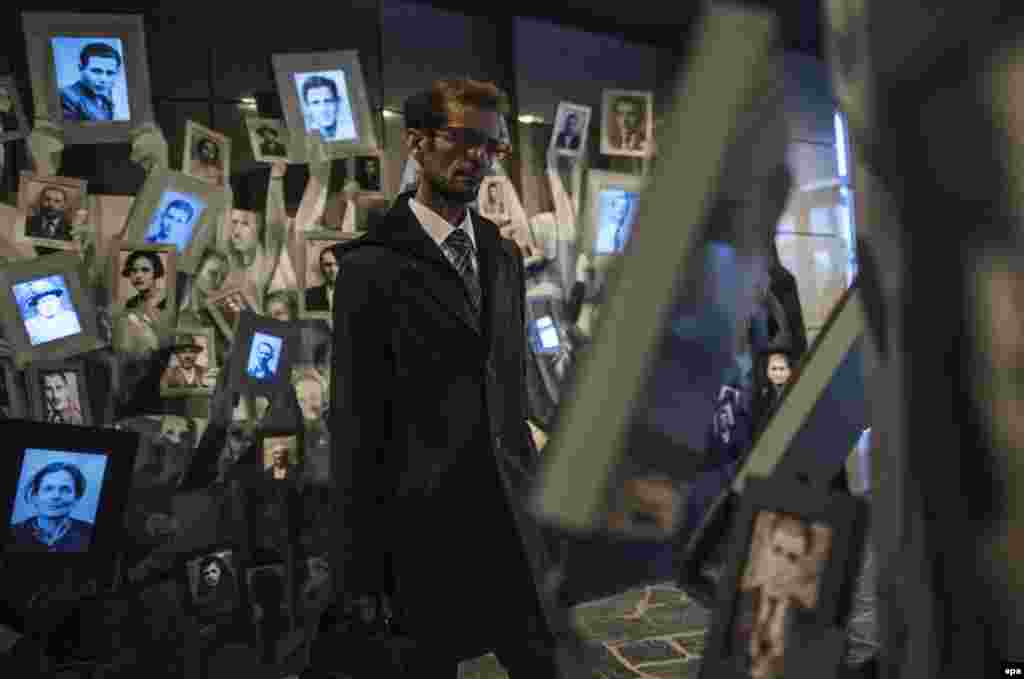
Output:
x,y
211,574
211,275
280,456
99,74
328,266
55,390
450,164
243,231
174,430
264,354
786,549
322,107
627,115
778,370
278,310
142,274
187,358
311,399
53,202
238,439
48,306
56,496
174,217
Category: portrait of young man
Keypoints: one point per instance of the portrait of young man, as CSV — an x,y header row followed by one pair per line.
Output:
x,y
325,106
174,223
494,200
569,137
50,218
206,161
321,297
54,491
270,143
429,365
91,97
61,398
627,129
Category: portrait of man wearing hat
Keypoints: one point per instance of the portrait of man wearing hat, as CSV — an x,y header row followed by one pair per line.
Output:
x,y
269,144
46,318
187,374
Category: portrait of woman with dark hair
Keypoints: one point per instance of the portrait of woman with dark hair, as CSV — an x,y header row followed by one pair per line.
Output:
x,y
144,270
215,590
53,491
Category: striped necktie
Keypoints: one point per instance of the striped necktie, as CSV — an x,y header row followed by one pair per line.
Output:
x,y
461,248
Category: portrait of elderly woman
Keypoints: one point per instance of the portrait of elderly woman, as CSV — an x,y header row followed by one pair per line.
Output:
x,y
212,578
145,271
51,494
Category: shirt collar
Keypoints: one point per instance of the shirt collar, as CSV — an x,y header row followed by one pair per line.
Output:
x,y
436,226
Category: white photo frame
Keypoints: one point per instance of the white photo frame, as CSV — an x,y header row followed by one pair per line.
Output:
x,y
571,140
56,44
335,76
13,121
215,168
270,139
627,123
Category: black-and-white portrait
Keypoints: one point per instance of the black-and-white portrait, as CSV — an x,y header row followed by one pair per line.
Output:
x,y
50,205
91,78
280,457
368,173
326,110
616,213
62,397
175,219
213,582
494,201
264,356
142,286
190,369
47,309
627,123
58,497
569,136
321,274
269,139
211,274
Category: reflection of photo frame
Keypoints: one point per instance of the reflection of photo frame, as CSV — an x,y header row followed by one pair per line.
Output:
x,y
32,191
203,598
269,139
51,65
312,289
195,232
221,306
197,136
177,380
602,232
13,121
363,121
563,140
251,331
291,444
68,267
636,109
62,381
796,550
164,283
369,174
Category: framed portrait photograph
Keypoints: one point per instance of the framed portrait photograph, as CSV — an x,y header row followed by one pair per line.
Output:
x,y
50,205
212,579
281,456
627,123
611,208
226,306
269,139
46,311
59,393
795,552
318,270
495,200
13,121
175,209
144,279
324,94
192,368
368,174
262,354
207,154
90,74
572,122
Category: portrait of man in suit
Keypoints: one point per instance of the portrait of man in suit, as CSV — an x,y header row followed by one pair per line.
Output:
x,y
185,371
263,357
628,124
174,223
279,454
321,297
325,105
569,137
51,219
45,315
144,269
214,589
54,491
270,144
91,98
61,398
436,308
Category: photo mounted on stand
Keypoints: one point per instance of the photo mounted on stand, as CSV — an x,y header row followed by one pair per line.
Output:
x,y
262,354
795,553
143,280
317,272
46,312
207,154
282,457
212,581
570,133
496,199
269,139
13,121
192,367
50,205
323,93
59,392
90,74
627,123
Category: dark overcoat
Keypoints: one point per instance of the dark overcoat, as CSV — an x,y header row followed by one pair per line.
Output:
x,y
432,455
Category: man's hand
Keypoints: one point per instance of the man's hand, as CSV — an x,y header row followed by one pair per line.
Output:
x,y
149,147
45,145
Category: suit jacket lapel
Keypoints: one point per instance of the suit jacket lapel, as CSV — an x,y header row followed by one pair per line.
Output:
x,y
493,270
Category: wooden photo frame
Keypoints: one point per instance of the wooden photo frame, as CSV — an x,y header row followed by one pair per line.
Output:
x,y
335,81
210,594
13,121
569,134
262,355
50,205
313,289
114,49
192,367
611,208
627,123
270,139
226,306
144,280
207,154
795,554
59,392
173,208
56,331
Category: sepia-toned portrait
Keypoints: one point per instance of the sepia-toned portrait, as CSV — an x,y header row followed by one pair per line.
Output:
x,y
269,139
213,582
144,278
207,154
281,457
61,396
627,123
50,205
191,370
495,201
319,276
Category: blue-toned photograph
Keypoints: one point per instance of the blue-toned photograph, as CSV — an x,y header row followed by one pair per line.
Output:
x,y
323,98
544,334
264,356
55,506
616,211
174,219
91,79
46,309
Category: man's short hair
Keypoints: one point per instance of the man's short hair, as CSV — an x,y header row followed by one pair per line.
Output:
x,y
154,259
428,110
100,50
318,81
179,204
55,189
32,489
268,346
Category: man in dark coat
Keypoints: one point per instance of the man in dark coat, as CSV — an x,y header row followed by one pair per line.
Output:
x,y
429,388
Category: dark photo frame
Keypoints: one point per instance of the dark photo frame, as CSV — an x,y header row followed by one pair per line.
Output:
x,y
59,392
13,121
206,597
262,355
260,595
789,575
13,395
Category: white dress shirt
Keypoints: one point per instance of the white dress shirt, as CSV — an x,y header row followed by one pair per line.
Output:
x,y
439,228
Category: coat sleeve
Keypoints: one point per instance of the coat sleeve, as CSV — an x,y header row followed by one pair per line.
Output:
x,y
360,423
